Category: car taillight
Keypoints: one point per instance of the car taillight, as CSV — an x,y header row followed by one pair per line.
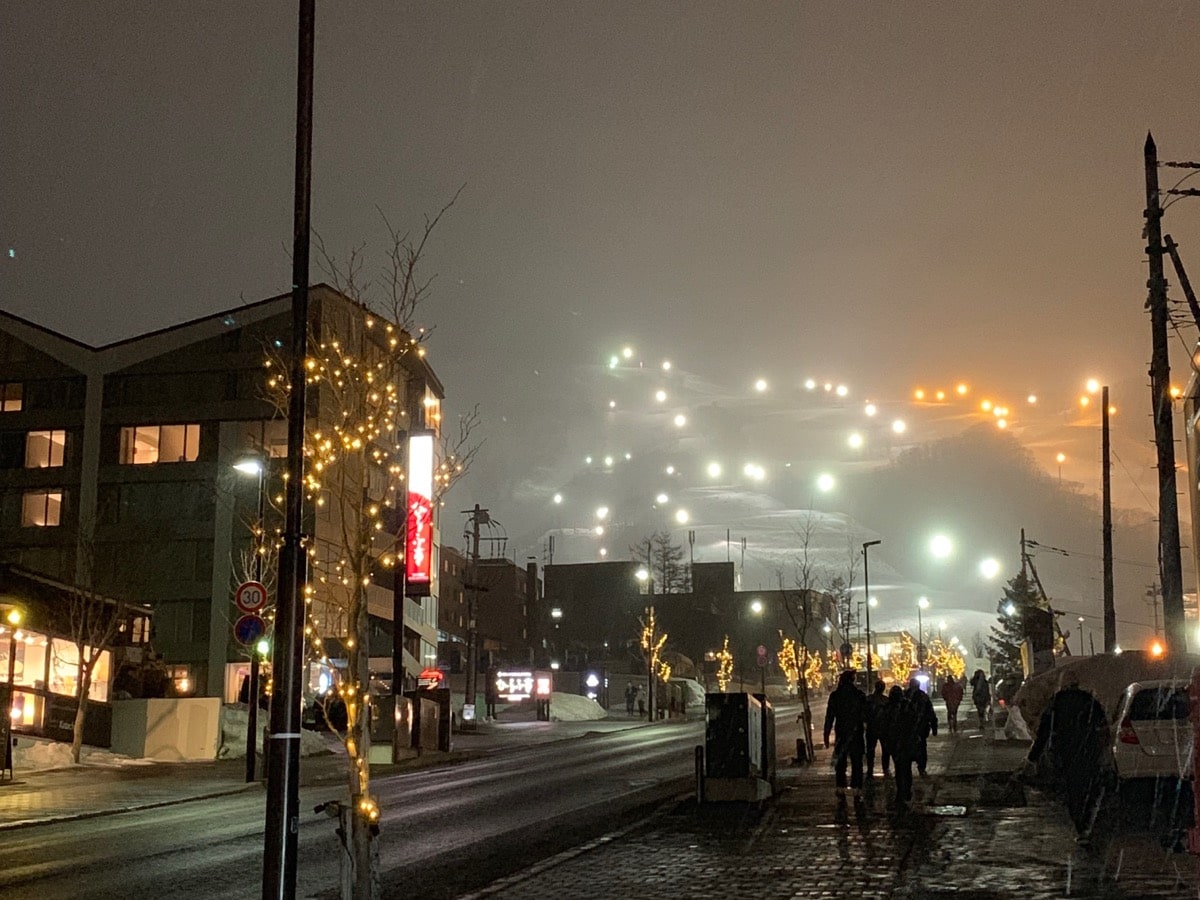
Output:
x,y
1126,734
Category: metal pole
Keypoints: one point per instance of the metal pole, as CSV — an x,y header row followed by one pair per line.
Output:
x,y
1170,567
472,687
867,545
920,640
1110,606
650,658
252,695
281,837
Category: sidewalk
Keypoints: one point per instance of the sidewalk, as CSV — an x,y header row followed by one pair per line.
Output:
x,y
964,836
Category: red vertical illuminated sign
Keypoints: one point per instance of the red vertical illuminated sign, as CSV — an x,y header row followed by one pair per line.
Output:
x,y
418,542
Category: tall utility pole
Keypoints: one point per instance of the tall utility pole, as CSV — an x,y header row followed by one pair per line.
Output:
x,y
867,545
478,517
1110,607
650,619
1170,565
1152,595
281,836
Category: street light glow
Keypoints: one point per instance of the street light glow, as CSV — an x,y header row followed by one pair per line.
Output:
x,y
899,427
873,602
680,420
661,498
989,568
608,461
1031,399
627,353
1061,458
870,409
666,366
714,470
558,498
825,482
760,385
756,607
855,441
961,390
681,516
641,574
842,390
1093,386
1010,609
940,546
810,384
923,602
602,512
660,396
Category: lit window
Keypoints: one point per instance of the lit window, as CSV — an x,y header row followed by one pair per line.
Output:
x,y
10,397
181,678
41,509
147,444
44,449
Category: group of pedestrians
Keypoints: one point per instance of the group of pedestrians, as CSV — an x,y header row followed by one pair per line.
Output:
x,y
635,694
898,724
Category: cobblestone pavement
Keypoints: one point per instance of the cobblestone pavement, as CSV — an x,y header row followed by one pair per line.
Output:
x,y
972,832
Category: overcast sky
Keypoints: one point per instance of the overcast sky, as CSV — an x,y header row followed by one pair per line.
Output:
x,y
890,195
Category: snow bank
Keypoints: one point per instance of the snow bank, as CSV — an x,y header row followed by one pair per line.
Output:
x,y
1106,676
574,708
693,692
36,755
235,720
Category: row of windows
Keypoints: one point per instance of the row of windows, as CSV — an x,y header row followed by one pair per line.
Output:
x,y
140,445
48,393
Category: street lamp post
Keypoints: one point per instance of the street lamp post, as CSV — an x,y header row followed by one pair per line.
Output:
x,y
756,607
867,545
644,575
1081,635
255,466
922,604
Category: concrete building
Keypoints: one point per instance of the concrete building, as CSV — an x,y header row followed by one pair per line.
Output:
x,y
509,594
116,469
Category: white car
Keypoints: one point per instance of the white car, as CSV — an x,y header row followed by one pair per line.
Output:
x,y
1152,733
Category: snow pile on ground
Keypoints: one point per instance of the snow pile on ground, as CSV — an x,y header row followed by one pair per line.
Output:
x,y
234,721
1106,676
34,755
693,692
574,708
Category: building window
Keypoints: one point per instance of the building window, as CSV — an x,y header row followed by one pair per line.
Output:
x,y
44,449
160,443
181,680
10,397
40,509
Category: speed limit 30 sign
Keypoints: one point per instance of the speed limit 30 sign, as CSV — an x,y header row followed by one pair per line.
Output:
x,y
250,596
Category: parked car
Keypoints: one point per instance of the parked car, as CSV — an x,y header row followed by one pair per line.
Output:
x,y
1152,737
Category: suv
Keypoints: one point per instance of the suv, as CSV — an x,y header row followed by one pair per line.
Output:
x,y
1153,737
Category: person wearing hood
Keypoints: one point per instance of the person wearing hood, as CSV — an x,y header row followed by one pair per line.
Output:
x,y
846,716
902,737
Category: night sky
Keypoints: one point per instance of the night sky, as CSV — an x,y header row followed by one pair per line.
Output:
x,y
885,197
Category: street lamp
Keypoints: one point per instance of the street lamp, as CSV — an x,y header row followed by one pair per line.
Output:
x,y
643,575
756,607
254,465
922,604
13,616
867,593
1081,635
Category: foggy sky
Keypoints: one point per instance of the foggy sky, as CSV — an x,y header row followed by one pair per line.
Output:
x,y
893,195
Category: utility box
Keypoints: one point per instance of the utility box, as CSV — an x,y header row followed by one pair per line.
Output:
x,y
739,747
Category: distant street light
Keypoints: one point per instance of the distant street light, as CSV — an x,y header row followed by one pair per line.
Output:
x,y
922,604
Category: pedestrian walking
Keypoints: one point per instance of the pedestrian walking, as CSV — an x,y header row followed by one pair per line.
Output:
x,y
846,716
902,738
1074,728
630,696
641,700
875,737
952,694
491,694
927,723
981,696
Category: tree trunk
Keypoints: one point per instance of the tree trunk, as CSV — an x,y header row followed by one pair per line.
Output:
x,y
85,687
360,879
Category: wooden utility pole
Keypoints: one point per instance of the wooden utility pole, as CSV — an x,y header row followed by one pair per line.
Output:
x,y
1110,608
1170,565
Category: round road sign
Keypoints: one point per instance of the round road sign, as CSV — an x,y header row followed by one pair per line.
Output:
x,y
250,596
248,629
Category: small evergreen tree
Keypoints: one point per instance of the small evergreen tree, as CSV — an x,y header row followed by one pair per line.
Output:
x,y
1004,645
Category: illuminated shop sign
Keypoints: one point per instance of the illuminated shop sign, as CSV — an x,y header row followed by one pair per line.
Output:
x,y
522,684
418,544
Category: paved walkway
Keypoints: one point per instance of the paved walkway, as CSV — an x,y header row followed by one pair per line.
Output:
x,y
967,835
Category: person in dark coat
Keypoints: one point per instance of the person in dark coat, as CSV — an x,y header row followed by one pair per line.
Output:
x,y
846,716
927,723
952,693
981,696
875,705
902,737
1075,730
